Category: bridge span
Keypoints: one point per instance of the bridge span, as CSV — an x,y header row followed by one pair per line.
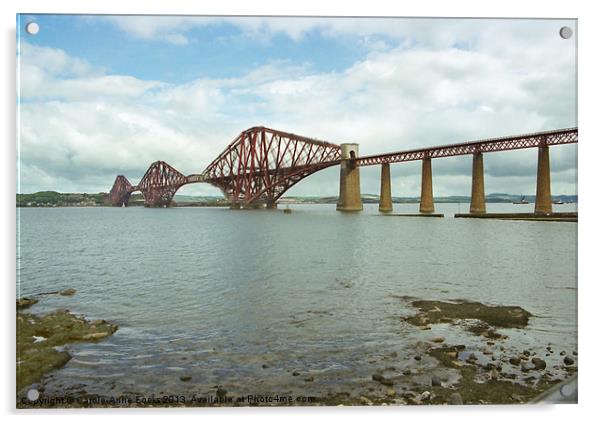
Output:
x,y
261,164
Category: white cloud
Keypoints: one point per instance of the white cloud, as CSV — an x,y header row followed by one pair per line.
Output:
x,y
81,126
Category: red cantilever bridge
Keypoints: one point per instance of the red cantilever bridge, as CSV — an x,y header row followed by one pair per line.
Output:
x,y
261,164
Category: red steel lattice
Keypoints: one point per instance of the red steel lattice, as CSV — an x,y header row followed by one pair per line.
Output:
x,y
262,163
160,183
121,191
560,136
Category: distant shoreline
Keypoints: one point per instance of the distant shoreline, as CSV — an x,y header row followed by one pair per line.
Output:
x,y
56,199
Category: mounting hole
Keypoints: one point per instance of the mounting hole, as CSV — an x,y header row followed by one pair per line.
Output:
x,y
33,394
566,32
32,28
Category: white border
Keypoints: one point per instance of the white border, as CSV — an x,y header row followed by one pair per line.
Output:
x,y
590,73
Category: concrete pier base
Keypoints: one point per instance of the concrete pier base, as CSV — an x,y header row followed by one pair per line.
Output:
x,y
234,206
543,197
426,196
477,198
385,204
349,192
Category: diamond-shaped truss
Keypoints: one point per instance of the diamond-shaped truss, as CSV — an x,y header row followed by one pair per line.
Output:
x,y
262,163
160,183
120,192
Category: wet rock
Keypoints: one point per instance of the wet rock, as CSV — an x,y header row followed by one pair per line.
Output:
x,y
438,339
68,292
538,363
380,378
424,396
57,329
501,316
455,399
407,372
562,352
296,373
515,361
365,401
393,354
264,366
391,392
568,361
309,379
490,342
527,353
549,349
435,381
575,353
23,303
185,378
526,367
517,398
417,358
487,351
472,359
94,336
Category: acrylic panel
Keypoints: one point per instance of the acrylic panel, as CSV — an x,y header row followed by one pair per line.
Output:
x,y
275,211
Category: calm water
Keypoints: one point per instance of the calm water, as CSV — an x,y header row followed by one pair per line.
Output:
x,y
218,295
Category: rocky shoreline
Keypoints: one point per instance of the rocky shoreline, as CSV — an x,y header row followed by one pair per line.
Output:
x,y
42,341
487,368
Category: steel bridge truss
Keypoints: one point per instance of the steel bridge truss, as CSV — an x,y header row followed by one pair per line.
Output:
x,y
518,142
261,164
255,169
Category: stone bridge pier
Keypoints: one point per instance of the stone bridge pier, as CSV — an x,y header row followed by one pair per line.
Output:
x,y
349,191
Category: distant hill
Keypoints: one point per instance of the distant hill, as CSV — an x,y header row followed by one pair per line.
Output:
x,y
57,199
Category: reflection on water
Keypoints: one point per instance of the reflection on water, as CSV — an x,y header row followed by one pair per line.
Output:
x,y
245,299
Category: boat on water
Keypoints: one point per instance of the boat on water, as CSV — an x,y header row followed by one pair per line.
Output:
x,y
558,202
522,201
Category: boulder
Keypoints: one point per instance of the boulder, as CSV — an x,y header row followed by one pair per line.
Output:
x,y
538,363
568,361
68,292
455,399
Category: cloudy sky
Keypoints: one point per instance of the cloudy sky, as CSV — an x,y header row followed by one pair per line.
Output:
x,y
107,95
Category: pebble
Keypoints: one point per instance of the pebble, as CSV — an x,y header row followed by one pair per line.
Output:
x,y
264,366
436,381
185,378
526,352
382,379
525,367
455,399
568,361
391,392
574,352
438,339
309,379
424,396
514,361
68,292
417,358
296,373
538,363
